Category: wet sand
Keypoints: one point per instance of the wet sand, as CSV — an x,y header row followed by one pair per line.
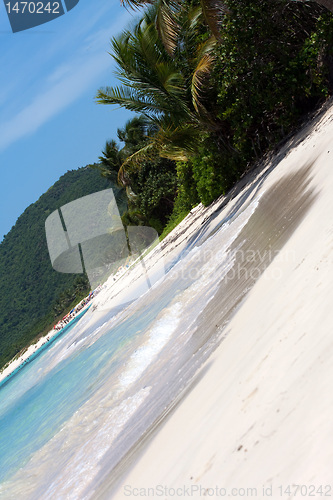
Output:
x,y
257,414
257,421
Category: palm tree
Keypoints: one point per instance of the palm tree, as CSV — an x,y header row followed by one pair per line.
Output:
x,y
167,90
135,134
169,11
110,161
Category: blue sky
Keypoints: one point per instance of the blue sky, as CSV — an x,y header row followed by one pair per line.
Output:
x,y
49,121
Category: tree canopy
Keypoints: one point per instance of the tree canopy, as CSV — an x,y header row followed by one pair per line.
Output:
x,y
220,83
33,293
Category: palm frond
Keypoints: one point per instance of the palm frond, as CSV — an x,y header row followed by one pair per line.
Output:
x,y
135,160
167,24
214,12
194,17
179,143
146,100
134,4
164,76
201,73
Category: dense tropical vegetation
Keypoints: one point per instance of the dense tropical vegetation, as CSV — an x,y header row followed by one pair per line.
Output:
x,y
150,184
33,294
215,86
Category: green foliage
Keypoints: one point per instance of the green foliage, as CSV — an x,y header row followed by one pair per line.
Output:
x,y
165,85
33,294
149,187
187,194
213,174
135,135
175,219
269,70
272,64
155,185
72,295
110,161
218,103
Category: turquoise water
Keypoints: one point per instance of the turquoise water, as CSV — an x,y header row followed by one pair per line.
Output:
x,y
75,410
44,347
33,409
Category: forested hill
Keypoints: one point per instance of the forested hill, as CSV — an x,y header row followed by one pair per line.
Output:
x,y
32,293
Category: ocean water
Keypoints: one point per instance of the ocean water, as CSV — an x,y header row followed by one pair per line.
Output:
x,y
44,347
69,417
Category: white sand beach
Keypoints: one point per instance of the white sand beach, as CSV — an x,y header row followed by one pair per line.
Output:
x,y
258,422
255,421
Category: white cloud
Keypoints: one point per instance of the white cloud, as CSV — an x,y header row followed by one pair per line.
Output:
x,y
65,84
54,100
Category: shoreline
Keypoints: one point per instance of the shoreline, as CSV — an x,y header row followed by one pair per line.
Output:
x,y
259,415
176,238
17,363
256,413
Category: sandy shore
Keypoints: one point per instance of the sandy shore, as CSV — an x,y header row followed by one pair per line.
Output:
x,y
259,420
131,283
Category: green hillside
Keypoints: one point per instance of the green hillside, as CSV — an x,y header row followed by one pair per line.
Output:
x,y
33,294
